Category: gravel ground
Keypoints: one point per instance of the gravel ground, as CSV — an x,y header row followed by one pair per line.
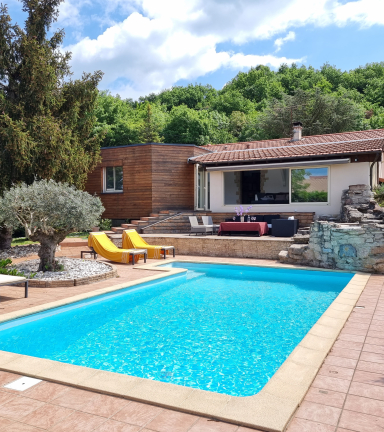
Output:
x,y
74,269
20,251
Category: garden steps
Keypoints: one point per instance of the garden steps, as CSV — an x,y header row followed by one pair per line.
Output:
x,y
73,242
117,230
301,239
135,221
143,222
168,212
304,231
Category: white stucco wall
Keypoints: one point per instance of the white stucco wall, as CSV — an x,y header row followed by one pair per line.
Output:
x,y
340,177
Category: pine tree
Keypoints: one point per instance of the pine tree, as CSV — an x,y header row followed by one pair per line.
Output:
x,y
149,131
45,121
46,118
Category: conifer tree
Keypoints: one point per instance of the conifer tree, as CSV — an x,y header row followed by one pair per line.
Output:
x,y
149,131
46,118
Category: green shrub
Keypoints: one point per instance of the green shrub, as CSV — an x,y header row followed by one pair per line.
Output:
x,y
105,224
10,272
379,194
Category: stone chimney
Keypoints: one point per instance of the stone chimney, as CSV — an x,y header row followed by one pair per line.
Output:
x,y
297,128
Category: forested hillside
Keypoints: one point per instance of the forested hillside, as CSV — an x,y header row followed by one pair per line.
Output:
x,y
254,105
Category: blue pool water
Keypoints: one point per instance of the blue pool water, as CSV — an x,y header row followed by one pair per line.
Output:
x,y
220,328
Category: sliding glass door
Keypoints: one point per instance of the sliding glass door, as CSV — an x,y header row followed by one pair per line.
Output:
x,y
202,189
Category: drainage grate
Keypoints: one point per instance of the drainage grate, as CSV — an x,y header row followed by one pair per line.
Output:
x,y
23,383
359,307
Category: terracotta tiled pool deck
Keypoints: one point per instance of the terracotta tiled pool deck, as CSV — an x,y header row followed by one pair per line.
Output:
x,y
347,394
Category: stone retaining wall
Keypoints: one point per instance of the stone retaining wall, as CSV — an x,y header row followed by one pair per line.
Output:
x,y
214,246
341,246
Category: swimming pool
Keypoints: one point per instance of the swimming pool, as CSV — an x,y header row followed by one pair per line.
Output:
x,y
219,328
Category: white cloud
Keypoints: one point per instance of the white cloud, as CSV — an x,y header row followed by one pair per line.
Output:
x,y
281,41
161,42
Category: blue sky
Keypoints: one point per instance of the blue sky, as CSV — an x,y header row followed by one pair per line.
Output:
x,y
144,46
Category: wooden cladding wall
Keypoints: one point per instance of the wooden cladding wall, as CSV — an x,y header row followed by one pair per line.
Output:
x,y
172,181
155,177
136,199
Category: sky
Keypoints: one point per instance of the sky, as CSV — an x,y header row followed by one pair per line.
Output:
x,y
145,46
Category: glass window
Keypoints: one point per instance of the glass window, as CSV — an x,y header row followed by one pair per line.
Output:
x,y
119,178
113,179
109,183
309,185
256,187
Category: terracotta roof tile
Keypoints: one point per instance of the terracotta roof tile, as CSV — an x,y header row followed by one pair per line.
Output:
x,y
317,145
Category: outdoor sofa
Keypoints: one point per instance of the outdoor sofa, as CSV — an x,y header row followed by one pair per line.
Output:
x,y
284,227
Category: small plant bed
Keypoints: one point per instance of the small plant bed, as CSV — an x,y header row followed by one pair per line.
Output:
x,y
20,251
68,272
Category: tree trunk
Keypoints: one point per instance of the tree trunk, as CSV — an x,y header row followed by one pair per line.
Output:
x,y
47,253
5,237
48,243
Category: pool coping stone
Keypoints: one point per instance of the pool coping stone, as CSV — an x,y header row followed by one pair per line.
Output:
x,y
271,409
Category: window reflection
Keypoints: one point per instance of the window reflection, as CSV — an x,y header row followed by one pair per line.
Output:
x,y
309,185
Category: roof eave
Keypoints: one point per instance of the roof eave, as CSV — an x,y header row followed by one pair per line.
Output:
x,y
266,160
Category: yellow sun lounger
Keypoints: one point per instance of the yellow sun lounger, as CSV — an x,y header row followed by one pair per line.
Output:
x,y
104,247
132,239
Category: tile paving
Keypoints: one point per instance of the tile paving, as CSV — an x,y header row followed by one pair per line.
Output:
x,y
347,394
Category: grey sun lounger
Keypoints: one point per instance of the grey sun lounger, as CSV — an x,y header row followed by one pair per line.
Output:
x,y
12,280
207,221
199,229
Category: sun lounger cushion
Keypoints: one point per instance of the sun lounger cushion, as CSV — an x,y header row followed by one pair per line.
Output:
x,y
133,240
104,247
6,280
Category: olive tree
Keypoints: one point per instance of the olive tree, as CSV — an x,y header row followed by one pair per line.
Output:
x,y
5,231
49,211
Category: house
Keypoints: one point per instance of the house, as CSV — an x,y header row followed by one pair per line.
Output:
x,y
287,175
139,179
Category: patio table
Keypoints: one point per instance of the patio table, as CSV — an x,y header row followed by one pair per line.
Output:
x,y
260,227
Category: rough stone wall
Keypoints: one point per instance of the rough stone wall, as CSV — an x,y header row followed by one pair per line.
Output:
x,y
358,205
338,246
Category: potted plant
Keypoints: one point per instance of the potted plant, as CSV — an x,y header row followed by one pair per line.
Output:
x,y
241,212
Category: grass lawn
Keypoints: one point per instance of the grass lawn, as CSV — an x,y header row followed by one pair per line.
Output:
x,y
21,241
83,235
